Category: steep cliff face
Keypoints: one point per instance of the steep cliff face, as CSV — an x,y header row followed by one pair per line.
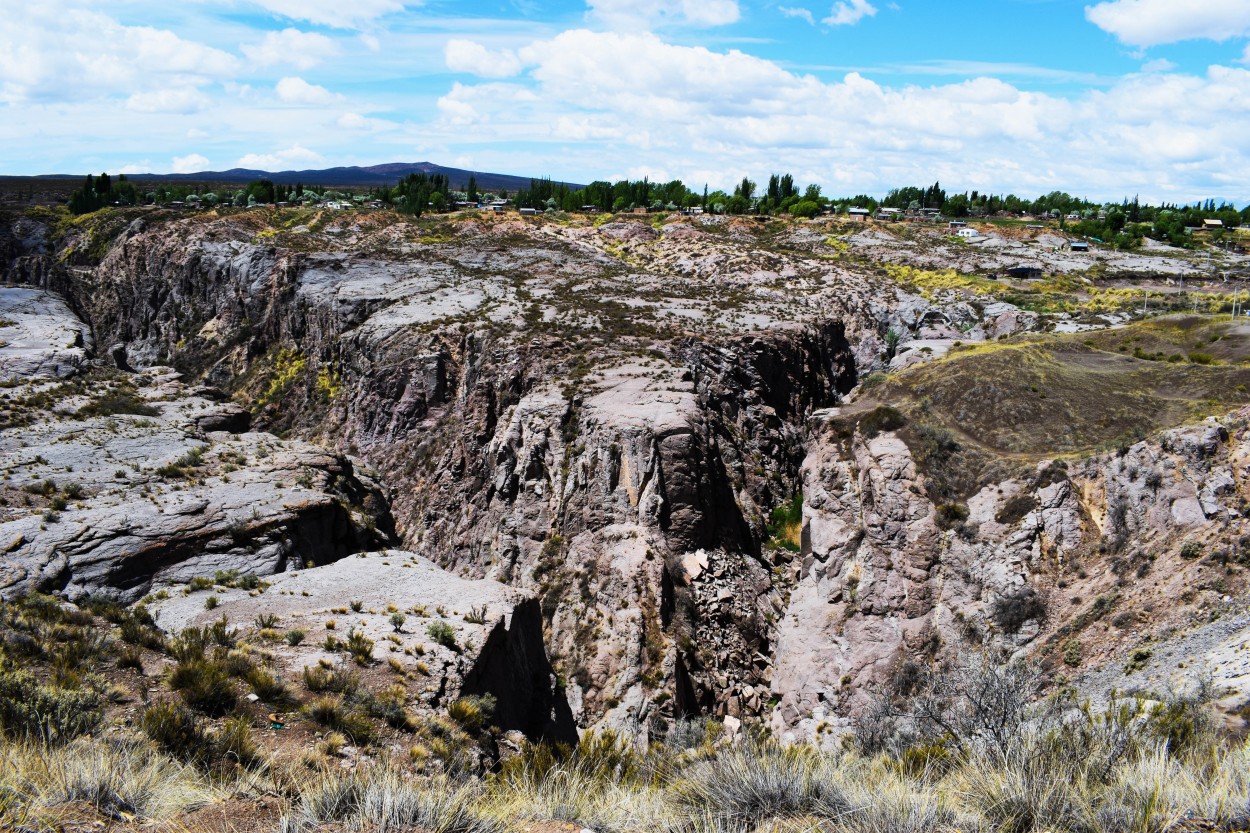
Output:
x,y
594,492
1104,554
541,416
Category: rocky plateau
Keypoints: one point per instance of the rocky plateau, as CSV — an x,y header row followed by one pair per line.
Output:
x,y
756,470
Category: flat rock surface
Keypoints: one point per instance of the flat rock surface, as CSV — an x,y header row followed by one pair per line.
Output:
x,y
39,336
382,583
120,502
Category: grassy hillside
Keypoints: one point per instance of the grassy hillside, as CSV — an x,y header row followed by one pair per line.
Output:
x,y
1042,396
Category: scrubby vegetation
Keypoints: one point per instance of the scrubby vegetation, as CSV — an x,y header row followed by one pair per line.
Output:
x,y
1105,388
976,746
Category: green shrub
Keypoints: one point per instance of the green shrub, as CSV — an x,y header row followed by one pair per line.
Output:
x,y
267,686
325,710
205,686
389,707
1011,611
338,679
926,760
105,607
236,663
1180,723
130,657
881,419
444,634
951,515
175,729
1072,652
234,741
472,712
199,583
1138,659
135,632
360,647
331,712
117,402
785,524
746,785
29,709
386,798
295,636
1015,508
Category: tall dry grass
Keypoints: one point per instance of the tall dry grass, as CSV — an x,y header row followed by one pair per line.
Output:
x,y
121,779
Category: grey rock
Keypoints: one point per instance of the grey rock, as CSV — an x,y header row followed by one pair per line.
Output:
x,y
40,338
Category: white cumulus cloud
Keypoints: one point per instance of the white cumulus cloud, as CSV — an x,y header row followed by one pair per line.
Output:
x,y
175,100
335,13
628,15
849,12
52,53
291,47
803,14
469,56
1152,22
295,90
283,159
357,122
189,164
1159,134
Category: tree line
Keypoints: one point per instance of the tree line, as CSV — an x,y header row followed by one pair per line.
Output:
x,y
1123,224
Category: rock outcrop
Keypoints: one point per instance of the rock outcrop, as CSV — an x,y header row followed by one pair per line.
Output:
x,y
39,336
492,642
116,482
604,417
1067,550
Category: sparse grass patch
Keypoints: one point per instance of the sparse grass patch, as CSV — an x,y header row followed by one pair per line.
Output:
x,y
119,400
993,393
382,798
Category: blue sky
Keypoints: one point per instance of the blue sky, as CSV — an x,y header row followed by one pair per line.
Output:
x,y
1106,99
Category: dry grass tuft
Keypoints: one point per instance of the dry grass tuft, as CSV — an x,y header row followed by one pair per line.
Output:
x,y
119,778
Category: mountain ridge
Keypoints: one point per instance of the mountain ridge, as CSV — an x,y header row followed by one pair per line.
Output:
x,y
387,173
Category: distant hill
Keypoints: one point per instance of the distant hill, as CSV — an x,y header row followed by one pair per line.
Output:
x,y
374,175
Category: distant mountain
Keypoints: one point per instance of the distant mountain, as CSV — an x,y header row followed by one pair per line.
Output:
x,y
374,175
